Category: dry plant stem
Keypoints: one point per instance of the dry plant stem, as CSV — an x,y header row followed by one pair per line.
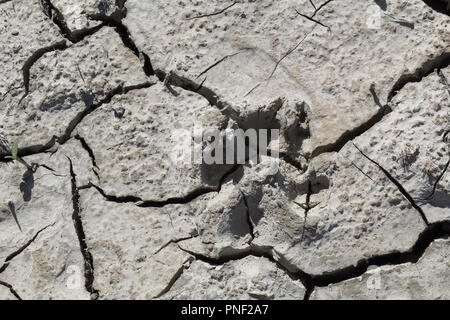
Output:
x,y
32,167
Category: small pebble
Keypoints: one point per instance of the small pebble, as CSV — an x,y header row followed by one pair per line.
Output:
x,y
119,112
17,47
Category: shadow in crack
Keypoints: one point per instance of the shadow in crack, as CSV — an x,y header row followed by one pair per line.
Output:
x,y
12,209
296,127
88,98
375,96
234,220
172,90
439,5
319,183
403,23
440,199
213,174
382,4
103,6
27,185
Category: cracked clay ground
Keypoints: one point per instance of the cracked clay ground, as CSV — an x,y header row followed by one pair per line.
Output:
x,y
95,91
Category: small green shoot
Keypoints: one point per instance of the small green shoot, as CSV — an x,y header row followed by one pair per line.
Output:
x,y
15,156
14,151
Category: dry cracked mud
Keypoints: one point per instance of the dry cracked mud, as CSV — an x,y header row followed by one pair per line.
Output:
x,y
101,93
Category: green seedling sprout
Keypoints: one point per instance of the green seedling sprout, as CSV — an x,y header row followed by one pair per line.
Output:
x,y
15,155
14,151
